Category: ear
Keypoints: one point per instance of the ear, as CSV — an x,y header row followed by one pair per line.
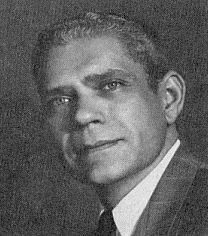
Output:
x,y
172,91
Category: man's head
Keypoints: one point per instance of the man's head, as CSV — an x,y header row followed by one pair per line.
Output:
x,y
110,95
131,36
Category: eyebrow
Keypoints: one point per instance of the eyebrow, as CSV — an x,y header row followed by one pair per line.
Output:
x,y
64,90
93,79
110,74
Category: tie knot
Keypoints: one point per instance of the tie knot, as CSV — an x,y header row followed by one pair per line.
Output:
x,y
106,224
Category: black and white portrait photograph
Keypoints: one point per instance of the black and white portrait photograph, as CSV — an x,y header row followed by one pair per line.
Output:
x,y
104,118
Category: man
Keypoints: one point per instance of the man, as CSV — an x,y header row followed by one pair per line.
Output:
x,y
112,100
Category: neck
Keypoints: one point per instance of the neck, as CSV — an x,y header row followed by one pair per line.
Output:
x,y
111,194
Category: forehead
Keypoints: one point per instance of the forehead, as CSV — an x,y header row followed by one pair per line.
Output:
x,y
84,57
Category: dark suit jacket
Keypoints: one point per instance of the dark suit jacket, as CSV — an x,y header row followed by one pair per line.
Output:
x,y
179,204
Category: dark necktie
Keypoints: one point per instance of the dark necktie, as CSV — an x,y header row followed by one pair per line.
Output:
x,y
106,225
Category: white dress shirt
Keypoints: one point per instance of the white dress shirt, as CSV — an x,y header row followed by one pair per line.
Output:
x,y
130,208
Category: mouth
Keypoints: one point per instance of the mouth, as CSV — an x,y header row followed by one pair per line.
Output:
x,y
101,145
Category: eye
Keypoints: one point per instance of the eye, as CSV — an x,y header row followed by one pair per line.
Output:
x,y
58,105
58,102
112,86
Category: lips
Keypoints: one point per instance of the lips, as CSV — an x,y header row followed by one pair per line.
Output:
x,y
101,145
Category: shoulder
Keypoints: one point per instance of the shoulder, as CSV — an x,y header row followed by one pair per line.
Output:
x,y
192,218
193,214
197,194
187,158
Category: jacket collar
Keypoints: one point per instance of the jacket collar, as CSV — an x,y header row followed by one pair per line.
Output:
x,y
169,195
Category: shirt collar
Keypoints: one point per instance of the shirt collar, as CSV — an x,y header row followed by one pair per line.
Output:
x,y
130,208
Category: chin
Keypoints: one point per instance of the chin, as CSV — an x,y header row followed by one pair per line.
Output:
x,y
103,177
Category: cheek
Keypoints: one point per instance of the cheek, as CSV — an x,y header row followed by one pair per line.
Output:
x,y
55,126
60,123
132,115
143,122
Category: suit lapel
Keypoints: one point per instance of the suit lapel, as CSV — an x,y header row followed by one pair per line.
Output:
x,y
192,219
168,196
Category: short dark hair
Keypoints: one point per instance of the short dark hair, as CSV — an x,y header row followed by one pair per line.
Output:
x,y
140,46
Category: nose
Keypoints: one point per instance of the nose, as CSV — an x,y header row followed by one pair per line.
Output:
x,y
90,110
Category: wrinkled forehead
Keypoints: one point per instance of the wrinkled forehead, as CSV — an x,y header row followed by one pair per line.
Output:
x,y
97,54
88,48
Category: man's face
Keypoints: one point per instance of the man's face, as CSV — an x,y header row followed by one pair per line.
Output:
x,y
109,124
